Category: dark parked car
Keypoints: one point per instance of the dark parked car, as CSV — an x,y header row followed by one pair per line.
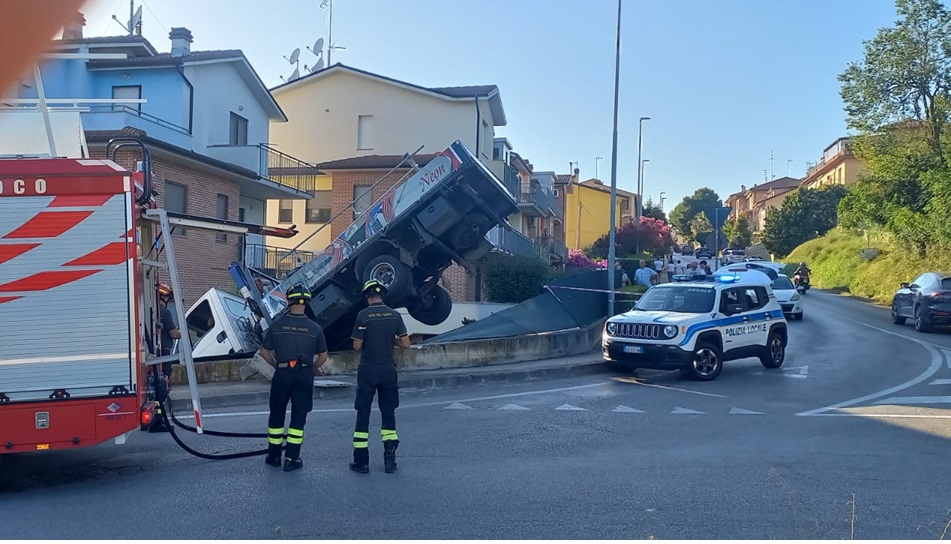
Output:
x,y
927,301
704,253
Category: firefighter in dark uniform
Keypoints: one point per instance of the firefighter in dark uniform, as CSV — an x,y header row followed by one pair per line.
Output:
x,y
295,345
378,328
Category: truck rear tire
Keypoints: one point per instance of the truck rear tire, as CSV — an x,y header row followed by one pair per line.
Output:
x,y
391,272
435,309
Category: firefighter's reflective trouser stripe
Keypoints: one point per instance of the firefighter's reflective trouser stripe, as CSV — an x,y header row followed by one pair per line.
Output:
x,y
381,382
388,434
360,440
297,387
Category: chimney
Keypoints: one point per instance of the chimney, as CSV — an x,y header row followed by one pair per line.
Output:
x,y
181,41
743,188
74,27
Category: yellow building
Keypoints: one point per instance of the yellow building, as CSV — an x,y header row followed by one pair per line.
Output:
x,y
838,166
588,211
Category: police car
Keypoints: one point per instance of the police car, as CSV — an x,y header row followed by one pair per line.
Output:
x,y
694,324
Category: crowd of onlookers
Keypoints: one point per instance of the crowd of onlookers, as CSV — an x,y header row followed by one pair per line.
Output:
x,y
663,270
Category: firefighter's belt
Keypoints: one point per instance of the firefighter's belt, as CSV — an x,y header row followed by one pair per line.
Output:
x,y
293,364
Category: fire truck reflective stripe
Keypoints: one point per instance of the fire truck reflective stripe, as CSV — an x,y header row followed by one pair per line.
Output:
x,y
68,201
49,224
65,359
111,254
8,299
46,280
12,251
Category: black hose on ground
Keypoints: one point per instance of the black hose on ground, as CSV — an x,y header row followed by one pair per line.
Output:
x,y
210,456
213,433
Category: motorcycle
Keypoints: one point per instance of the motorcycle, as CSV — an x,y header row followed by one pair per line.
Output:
x,y
801,281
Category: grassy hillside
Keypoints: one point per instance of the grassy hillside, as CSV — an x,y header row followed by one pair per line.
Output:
x,y
835,264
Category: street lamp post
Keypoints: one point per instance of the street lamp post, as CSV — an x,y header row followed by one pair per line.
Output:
x,y
663,197
640,188
612,236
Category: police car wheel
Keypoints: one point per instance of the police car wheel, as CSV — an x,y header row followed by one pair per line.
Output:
x,y
774,353
706,363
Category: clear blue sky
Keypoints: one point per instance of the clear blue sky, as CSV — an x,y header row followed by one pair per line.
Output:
x,y
725,82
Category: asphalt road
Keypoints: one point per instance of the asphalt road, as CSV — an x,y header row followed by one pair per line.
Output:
x,y
849,438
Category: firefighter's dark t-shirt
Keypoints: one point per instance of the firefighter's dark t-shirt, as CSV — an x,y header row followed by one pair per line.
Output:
x,y
378,326
294,337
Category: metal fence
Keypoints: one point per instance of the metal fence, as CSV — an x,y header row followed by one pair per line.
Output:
x,y
287,170
271,260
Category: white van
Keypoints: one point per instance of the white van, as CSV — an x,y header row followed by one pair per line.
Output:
x,y
219,324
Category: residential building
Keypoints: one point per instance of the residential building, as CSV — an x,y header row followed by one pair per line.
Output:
x,y
756,202
837,166
206,118
588,211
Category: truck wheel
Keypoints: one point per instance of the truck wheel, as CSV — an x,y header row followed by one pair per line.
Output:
x,y
435,309
705,363
391,272
774,353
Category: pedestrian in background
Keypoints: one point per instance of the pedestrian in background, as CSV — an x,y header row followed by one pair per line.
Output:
x,y
645,276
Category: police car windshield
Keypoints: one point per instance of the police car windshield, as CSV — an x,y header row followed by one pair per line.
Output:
x,y
677,298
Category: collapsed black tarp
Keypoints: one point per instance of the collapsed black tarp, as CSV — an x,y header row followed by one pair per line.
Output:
x,y
565,305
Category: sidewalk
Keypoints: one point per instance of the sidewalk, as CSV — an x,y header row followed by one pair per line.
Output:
x,y
255,392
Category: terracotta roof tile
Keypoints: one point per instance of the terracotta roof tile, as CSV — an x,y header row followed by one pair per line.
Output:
x,y
372,162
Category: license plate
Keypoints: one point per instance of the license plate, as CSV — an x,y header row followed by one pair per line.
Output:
x,y
633,349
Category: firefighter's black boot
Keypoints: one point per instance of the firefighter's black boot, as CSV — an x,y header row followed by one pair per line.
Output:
x,y
273,455
389,455
292,464
361,461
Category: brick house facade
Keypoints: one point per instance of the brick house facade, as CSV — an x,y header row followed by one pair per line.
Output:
x,y
461,285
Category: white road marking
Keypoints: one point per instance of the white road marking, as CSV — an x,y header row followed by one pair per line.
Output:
x,y
420,405
570,407
947,357
679,410
513,407
937,358
743,411
942,381
627,410
915,400
637,381
887,416
458,406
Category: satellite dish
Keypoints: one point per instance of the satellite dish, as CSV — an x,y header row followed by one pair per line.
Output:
x,y
295,55
318,47
294,75
318,66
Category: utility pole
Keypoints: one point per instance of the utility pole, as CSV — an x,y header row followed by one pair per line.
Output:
x,y
612,236
772,171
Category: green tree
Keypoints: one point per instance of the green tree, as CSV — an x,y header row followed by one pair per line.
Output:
x,y
739,233
684,217
653,211
905,73
803,216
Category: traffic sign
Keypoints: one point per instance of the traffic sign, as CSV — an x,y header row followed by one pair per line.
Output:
x,y
718,215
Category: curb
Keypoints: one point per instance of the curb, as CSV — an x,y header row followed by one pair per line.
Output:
x,y
410,384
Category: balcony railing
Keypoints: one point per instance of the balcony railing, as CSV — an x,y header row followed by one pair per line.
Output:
x,y
287,170
271,260
511,180
556,250
511,242
543,200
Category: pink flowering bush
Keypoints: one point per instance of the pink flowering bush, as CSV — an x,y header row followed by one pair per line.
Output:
x,y
577,259
653,234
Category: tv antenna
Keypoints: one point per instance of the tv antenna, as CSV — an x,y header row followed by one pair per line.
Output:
x,y
134,26
330,29
318,51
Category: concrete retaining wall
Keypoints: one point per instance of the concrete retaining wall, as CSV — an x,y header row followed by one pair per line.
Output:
x,y
473,353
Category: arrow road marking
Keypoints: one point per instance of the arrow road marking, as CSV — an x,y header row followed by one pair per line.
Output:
x,y
458,406
513,407
627,409
943,381
570,407
742,411
679,410
915,400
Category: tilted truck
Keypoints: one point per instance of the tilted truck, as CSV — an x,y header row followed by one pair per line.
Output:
x,y
407,239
